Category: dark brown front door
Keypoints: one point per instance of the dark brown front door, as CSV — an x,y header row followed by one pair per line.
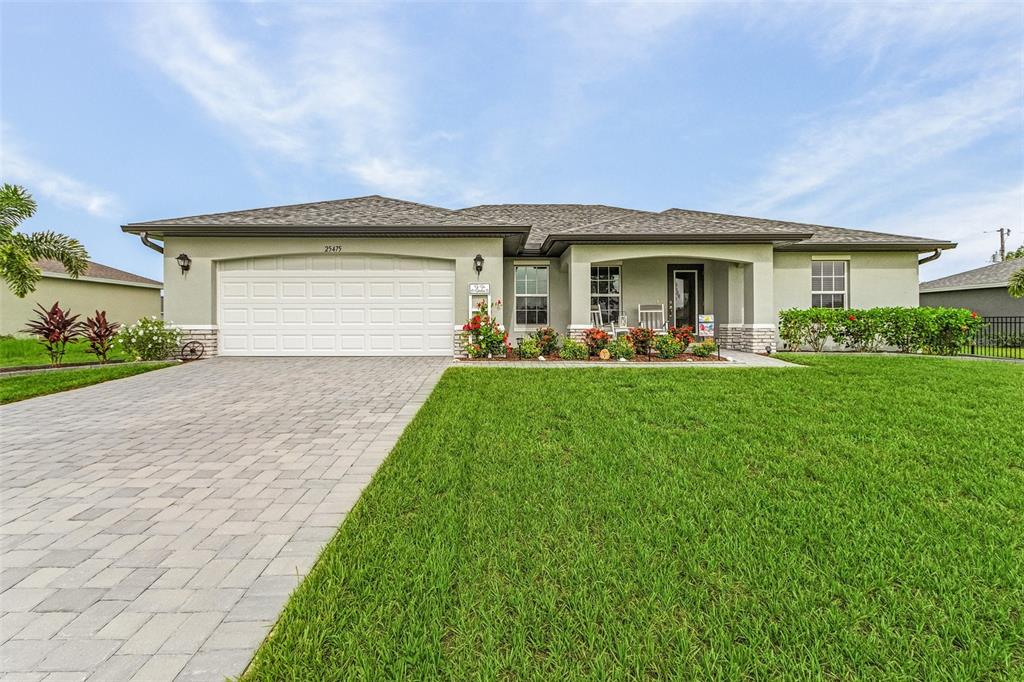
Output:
x,y
683,297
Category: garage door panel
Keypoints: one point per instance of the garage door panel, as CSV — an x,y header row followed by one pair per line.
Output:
x,y
336,305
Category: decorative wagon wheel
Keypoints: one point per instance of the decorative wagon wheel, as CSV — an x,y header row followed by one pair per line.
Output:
x,y
193,350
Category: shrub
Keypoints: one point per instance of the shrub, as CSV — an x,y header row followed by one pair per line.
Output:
x,y
483,335
150,339
684,335
573,350
596,340
704,349
528,348
667,346
56,328
861,330
641,338
943,331
621,349
100,334
547,340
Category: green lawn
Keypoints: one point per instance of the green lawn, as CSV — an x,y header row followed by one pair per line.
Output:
x,y
860,518
15,388
21,352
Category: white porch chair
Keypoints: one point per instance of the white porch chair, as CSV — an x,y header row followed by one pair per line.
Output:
x,y
596,319
619,326
651,316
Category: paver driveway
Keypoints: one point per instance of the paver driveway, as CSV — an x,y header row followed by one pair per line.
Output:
x,y
154,526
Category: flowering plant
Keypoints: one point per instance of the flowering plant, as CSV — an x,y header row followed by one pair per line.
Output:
x,y
705,348
547,340
667,346
56,328
683,334
573,350
150,339
483,335
596,339
642,338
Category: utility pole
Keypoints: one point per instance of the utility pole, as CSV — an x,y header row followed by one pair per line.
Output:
x,y
1004,232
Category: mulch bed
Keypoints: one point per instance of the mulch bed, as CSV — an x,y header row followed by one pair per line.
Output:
x,y
685,357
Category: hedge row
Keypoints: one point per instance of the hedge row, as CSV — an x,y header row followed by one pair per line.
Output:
x,y
942,331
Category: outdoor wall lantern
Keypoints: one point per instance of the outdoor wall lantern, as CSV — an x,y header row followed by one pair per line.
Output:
x,y
478,264
184,262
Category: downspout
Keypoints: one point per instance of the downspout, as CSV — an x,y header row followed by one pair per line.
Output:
x,y
922,261
159,249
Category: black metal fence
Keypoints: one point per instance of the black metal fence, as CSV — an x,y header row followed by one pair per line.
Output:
x,y
1000,337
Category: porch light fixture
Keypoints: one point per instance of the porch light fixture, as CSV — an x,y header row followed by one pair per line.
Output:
x,y
184,262
478,264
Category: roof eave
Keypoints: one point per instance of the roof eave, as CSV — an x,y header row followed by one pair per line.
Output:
x,y
557,243
916,247
962,287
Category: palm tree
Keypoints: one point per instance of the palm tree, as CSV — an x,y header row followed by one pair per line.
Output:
x,y
1017,283
20,251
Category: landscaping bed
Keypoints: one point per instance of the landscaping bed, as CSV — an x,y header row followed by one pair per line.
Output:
x,y
860,519
24,386
685,357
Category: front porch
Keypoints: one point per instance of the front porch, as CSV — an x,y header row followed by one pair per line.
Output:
x,y
678,282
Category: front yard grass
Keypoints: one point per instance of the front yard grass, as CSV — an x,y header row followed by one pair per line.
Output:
x,y
24,352
861,518
24,386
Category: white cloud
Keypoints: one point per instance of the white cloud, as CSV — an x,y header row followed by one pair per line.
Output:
x,y
325,89
18,167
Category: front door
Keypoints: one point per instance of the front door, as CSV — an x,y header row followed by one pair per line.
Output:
x,y
683,296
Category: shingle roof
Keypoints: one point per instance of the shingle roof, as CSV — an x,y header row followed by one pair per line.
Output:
x,y
97,270
371,210
548,218
995,275
543,222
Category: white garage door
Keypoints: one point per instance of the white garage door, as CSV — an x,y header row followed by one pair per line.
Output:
x,y
336,305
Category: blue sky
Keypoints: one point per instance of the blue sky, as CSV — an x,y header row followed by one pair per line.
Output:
x,y
905,118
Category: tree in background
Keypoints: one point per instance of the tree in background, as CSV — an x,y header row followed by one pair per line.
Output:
x,y
1015,254
19,251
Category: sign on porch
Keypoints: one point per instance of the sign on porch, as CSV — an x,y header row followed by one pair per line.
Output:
x,y
706,325
479,288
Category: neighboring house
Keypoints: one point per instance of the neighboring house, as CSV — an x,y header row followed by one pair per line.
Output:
x,y
125,297
379,276
983,290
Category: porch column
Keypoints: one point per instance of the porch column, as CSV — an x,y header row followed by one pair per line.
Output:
x,y
729,299
579,291
758,307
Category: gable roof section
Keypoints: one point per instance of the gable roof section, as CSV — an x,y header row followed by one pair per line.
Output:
x,y
988,277
548,218
96,271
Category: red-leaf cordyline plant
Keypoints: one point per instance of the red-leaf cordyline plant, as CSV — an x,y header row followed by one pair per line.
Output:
x,y
56,328
100,334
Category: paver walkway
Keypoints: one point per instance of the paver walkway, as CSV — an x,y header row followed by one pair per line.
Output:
x,y
152,528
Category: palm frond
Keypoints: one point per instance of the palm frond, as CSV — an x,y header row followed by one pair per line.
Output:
x,y
16,205
66,250
1017,284
18,270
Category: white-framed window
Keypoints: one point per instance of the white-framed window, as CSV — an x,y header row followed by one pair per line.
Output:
x,y
828,283
531,295
606,291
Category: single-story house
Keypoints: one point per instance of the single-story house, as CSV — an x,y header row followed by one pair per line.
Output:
x,y
125,296
379,276
983,290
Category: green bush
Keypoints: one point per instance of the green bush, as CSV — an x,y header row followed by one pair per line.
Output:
x,y
642,338
547,340
529,348
704,349
942,331
596,339
149,339
621,349
574,350
667,346
484,335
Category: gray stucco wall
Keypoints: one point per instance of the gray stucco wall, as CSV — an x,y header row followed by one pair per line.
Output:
x,y
986,302
124,303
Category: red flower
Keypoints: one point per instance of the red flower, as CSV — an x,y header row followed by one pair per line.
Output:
x,y
852,318
974,314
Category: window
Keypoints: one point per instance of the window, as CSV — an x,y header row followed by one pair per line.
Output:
x,y
532,294
606,291
828,284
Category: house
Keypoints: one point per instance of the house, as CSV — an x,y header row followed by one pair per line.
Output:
x,y
983,290
379,276
125,296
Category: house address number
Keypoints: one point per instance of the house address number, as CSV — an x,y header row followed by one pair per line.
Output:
x,y
332,248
